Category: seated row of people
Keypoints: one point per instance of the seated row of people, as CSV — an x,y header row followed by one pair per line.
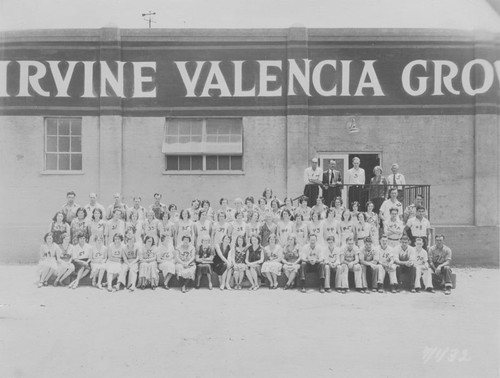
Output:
x,y
133,263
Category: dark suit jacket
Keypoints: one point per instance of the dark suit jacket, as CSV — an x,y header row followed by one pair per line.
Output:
x,y
331,193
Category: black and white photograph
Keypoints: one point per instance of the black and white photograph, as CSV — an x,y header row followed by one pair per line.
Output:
x,y
275,188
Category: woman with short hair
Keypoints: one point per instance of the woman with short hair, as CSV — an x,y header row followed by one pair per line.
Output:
x,y
165,255
204,260
291,260
64,266
254,259
184,227
185,267
130,264
96,226
222,265
79,226
81,259
148,267
378,188
237,261
47,265
58,227
115,259
271,268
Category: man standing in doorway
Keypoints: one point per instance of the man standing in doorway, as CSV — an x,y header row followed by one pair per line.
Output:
x,y
332,181
312,181
395,180
356,179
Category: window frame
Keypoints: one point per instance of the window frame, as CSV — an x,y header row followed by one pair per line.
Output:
x,y
58,171
204,155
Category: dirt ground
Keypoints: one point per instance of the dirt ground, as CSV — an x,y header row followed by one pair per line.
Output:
x,y
57,332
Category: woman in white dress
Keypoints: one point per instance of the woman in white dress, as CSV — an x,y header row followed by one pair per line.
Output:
x,y
165,255
47,266
98,261
291,260
148,266
116,250
64,267
185,267
271,267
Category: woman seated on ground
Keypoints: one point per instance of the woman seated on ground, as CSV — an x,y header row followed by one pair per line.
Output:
x,y
291,261
185,267
271,268
148,267
237,261
64,266
58,227
204,260
254,259
98,261
222,267
130,265
81,260
47,266
165,255
116,250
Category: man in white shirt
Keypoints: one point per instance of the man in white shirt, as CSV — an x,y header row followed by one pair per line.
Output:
x,y
313,260
356,180
419,226
137,208
393,228
92,205
395,180
387,260
387,205
422,268
312,180
411,210
70,207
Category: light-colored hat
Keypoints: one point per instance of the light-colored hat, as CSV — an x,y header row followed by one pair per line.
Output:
x,y
314,160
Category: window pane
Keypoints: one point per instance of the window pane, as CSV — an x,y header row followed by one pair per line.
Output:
x,y
76,144
172,128
196,162
76,126
236,128
223,162
51,162
63,127
64,162
211,138
51,126
185,163
211,163
223,138
196,128
172,139
76,162
63,144
172,163
196,138
236,163
51,144
235,138
184,139
211,127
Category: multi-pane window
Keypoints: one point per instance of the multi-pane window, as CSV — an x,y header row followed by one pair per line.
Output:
x,y
63,144
211,144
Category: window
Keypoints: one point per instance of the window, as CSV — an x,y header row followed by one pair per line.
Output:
x,y
212,144
63,144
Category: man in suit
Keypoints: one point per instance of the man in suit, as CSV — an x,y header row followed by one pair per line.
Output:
x,y
332,181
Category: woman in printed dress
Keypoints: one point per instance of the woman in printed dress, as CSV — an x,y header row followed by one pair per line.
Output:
x,y
165,255
330,225
285,227
98,261
184,227
58,227
222,265
373,219
64,266
80,259
254,259
363,230
185,267
151,227
271,268
346,228
96,226
338,208
204,260
202,228
237,260
79,226
291,261
130,264
301,231
268,228
220,228
136,225
316,228
47,266
148,267
116,251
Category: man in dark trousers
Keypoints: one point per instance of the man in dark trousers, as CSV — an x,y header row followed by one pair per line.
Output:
x,y
332,182
312,181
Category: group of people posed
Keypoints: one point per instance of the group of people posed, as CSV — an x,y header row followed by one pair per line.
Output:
x,y
130,246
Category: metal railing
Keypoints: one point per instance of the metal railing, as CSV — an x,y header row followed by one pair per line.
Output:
x,y
364,193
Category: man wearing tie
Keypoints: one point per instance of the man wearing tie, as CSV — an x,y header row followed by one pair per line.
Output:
x,y
332,181
395,180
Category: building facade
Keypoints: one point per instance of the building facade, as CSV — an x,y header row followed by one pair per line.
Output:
x,y
224,113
